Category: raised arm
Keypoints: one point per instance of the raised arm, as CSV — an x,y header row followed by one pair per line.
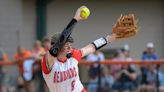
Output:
x,y
48,59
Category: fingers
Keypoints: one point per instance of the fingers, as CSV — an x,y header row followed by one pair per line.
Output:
x,y
80,9
77,14
82,6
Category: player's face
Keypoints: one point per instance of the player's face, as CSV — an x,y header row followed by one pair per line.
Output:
x,y
150,50
37,45
67,47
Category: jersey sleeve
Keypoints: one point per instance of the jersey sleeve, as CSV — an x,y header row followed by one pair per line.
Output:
x,y
45,69
77,54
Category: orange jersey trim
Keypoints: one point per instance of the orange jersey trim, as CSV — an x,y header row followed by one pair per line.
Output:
x,y
77,55
45,69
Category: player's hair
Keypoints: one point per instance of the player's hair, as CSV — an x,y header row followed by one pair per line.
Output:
x,y
56,36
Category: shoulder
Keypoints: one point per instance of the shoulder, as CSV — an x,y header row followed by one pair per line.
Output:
x,y
27,52
77,54
155,56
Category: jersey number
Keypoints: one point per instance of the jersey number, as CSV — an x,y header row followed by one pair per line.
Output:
x,y
73,85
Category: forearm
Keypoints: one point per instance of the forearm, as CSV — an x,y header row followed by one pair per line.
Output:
x,y
88,50
97,44
58,45
134,76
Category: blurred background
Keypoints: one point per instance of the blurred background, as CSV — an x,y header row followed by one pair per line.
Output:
x,y
26,25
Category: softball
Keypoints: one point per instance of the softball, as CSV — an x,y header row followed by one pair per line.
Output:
x,y
85,13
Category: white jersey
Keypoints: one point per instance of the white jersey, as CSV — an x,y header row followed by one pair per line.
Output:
x,y
64,75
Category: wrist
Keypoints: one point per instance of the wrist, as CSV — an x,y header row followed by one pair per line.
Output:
x,y
110,38
76,18
99,43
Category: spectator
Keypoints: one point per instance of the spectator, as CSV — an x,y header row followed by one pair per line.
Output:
x,y
107,80
149,54
37,53
93,70
24,61
20,56
97,56
149,71
161,78
46,43
150,80
126,55
3,58
126,80
116,68
3,55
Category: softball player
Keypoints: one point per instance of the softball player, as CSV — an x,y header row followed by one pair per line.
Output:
x,y
61,73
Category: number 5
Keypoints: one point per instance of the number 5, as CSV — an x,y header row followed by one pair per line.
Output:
x,y
73,85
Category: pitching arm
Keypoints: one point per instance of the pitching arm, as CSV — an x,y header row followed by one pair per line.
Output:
x,y
56,48
48,59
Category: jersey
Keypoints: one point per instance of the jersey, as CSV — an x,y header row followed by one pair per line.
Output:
x,y
64,75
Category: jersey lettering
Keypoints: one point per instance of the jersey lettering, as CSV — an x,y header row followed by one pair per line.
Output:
x,y
64,75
